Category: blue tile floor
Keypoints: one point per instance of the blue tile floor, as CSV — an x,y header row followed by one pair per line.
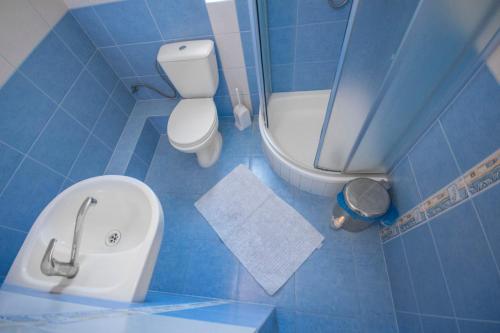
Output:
x,y
342,287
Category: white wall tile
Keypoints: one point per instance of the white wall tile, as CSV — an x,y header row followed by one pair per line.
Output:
x,y
6,71
223,16
50,10
236,78
77,3
493,63
83,3
21,29
230,50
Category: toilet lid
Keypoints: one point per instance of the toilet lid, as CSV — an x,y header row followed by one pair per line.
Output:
x,y
192,121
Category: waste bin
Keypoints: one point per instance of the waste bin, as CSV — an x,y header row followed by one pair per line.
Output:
x,y
361,203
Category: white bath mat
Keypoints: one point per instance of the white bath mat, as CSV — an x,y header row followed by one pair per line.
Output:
x,y
269,238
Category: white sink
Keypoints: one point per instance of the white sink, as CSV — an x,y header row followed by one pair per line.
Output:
x,y
120,271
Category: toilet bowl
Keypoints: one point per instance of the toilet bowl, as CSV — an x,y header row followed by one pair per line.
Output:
x,y
193,128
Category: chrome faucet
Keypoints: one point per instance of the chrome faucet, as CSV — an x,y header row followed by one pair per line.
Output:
x,y
53,267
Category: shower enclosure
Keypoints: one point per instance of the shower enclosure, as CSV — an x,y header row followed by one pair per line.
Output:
x,y
345,91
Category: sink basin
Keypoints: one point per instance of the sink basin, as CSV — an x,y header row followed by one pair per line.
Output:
x,y
120,241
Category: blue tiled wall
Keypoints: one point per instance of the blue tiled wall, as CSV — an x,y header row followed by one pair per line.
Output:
x,y
444,272
130,33
305,41
61,114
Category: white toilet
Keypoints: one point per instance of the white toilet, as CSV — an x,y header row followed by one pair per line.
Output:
x,y
193,126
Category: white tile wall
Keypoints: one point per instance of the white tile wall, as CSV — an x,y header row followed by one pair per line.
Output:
x,y
83,3
50,10
23,24
493,63
224,22
6,71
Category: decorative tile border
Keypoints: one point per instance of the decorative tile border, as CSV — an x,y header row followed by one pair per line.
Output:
x,y
483,175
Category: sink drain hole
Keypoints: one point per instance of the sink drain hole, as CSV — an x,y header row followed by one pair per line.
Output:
x,y
113,238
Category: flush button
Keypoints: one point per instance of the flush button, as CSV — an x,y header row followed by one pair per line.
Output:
x,y
182,47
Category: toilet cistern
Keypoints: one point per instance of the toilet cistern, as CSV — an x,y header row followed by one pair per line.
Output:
x,y
53,267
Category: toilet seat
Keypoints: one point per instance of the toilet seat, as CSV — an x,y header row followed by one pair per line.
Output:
x,y
192,122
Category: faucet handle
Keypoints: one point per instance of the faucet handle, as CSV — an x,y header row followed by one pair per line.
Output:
x,y
47,265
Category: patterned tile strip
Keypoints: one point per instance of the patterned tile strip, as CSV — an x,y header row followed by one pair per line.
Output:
x,y
483,175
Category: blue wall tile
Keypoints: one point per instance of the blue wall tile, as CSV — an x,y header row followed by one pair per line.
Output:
x,y
40,65
93,26
157,82
472,123
282,13
31,189
123,98
25,110
142,57
487,204
110,126
248,51
243,14
117,61
9,159
312,11
314,76
128,21
468,326
85,100
408,323
439,325
319,42
282,78
181,19
309,36
427,276
10,243
71,33
60,142
399,276
282,45
92,160
433,162
404,191
103,72
468,266
252,80
320,324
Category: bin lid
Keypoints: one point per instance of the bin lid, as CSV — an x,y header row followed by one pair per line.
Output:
x,y
366,197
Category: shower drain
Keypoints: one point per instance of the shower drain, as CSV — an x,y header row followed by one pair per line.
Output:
x,y
113,238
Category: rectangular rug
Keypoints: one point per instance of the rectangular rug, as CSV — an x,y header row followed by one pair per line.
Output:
x,y
268,236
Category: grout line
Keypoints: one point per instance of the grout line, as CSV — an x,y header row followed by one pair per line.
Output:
x,y
470,195
91,133
390,285
411,283
12,229
449,317
154,20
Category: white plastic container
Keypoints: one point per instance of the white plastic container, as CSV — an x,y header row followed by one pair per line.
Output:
x,y
242,117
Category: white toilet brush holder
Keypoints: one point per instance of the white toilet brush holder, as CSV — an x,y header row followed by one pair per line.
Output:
x,y
242,117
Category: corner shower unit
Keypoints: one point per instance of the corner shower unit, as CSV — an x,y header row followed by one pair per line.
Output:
x,y
344,91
